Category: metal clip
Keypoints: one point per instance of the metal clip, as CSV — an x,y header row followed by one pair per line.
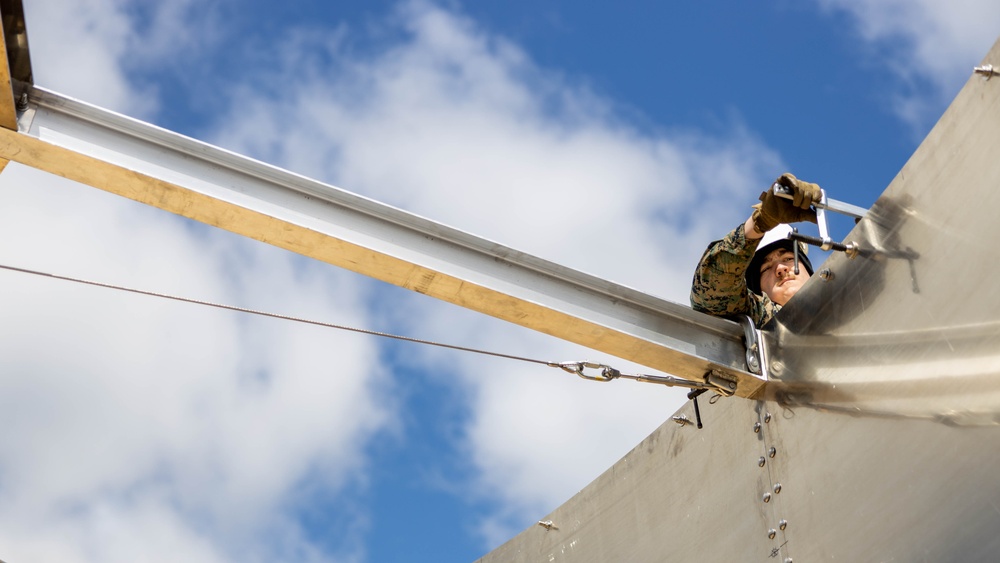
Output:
x,y
750,341
607,372
755,348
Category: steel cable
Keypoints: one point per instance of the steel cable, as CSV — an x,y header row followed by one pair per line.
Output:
x,y
275,315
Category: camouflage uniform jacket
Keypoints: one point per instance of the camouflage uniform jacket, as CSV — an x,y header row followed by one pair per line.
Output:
x,y
719,287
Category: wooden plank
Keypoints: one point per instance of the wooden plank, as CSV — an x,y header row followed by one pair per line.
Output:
x,y
218,188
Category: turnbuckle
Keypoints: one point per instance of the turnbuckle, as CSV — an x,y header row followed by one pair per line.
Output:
x,y
607,373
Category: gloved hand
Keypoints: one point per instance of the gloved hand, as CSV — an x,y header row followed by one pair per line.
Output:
x,y
773,210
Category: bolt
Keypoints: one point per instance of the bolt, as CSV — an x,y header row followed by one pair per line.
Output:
x,y
776,368
766,497
777,488
771,452
986,71
826,274
783,524
771,533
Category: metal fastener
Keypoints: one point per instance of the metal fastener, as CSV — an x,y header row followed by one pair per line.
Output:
x,y
761,461
788,560
682,419
767,417
548,525
752,362
771,452
777,488
766,497
771,533
986,71
826,274
756,427
783,524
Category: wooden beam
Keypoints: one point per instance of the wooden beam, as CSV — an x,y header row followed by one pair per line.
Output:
x,y
219,188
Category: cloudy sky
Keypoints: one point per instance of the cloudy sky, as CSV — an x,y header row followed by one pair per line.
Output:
x,y
618,140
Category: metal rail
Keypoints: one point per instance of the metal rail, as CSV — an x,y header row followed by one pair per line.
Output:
x,y
151,165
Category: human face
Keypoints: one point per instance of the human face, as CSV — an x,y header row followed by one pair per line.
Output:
x,y
777,278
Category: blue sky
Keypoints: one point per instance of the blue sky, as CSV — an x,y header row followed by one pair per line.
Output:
x,y
617,139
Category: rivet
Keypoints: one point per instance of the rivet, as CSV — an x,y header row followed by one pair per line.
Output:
x,y
761,461
788,560
771,452
783,524
766,497
777,488
756,427
767,417
771,533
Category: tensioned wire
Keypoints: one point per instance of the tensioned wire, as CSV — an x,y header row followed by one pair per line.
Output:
x,y
607,373
275,315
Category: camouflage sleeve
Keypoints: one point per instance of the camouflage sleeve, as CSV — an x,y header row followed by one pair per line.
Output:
x,y
719,287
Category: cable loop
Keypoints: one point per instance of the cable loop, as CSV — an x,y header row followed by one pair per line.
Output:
x,y
577,368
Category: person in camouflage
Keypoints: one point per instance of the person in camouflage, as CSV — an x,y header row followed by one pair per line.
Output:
x,y
735,277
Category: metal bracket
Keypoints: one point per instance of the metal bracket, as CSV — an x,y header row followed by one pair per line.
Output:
x,y
756,356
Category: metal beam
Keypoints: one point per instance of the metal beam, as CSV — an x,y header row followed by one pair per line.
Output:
x,y
217,187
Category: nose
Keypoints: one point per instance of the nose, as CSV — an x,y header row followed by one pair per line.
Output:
x,y
781,270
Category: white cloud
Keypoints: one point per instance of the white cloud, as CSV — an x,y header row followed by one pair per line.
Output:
x,y
132,422
145,429
92,49
460,126
925,40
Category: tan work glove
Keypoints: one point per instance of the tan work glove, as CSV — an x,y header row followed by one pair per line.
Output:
x,y
774,210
